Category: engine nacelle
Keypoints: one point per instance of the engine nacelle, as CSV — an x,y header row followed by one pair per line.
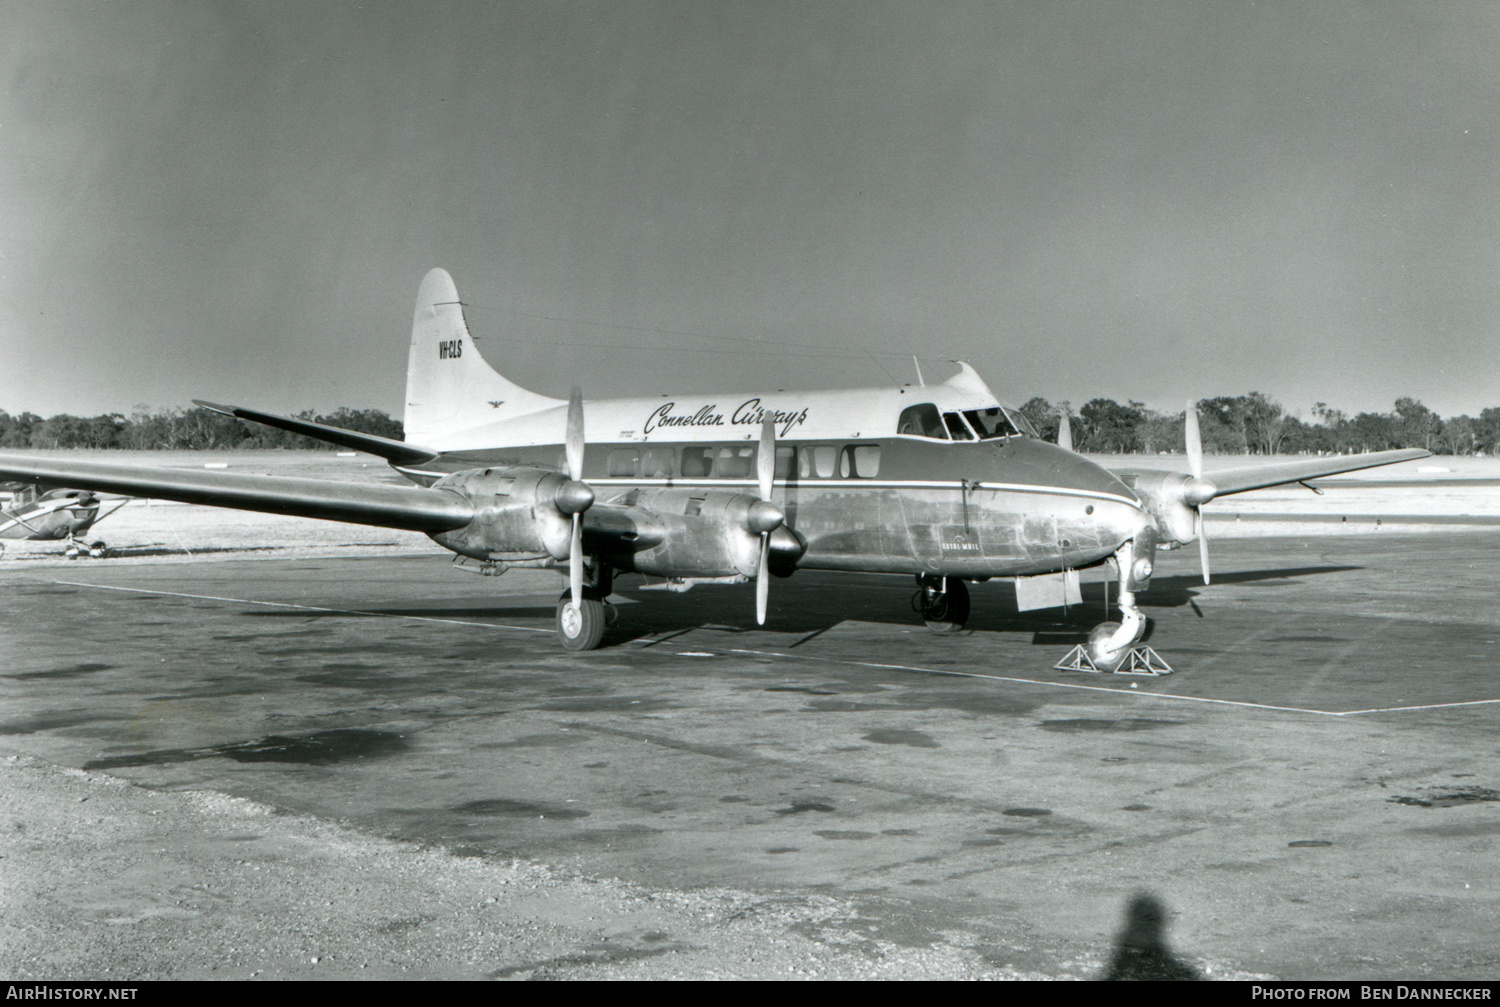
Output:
x,y
707,533
519,514
1172,499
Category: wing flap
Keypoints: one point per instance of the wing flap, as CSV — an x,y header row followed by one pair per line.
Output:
x,y
1262,476
408,507
396,452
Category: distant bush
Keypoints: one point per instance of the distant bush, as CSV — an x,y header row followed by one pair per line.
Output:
x,y
195,429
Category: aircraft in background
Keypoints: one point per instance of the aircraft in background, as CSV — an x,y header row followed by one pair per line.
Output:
x,y
31,513
942,482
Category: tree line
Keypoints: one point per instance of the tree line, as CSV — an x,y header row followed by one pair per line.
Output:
x,y
195,429
1257,424
1242,424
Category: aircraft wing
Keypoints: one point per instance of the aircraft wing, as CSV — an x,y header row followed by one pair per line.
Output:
x,y
396,452
1262,476
412,508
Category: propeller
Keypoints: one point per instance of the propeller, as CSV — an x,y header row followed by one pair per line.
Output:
x,y
1198,491
573,447
1065,432
765,517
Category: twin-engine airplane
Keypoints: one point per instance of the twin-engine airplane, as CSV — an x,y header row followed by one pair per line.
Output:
x,y
943,482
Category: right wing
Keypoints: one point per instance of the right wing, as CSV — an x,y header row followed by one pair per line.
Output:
x,y
412,508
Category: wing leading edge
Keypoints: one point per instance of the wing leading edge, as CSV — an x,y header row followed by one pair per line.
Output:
x,y
407,507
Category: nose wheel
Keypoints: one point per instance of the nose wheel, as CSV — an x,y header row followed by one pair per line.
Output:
x,y
943,603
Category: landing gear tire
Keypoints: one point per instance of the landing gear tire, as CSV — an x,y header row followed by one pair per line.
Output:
x,y
98,550
944,611
1104,659
580,627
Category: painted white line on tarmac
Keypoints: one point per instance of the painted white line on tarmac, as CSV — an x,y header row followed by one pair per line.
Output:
x,y
1112,691
307,608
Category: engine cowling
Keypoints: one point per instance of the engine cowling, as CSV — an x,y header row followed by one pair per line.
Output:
x,y
712,533
520,514
1172,499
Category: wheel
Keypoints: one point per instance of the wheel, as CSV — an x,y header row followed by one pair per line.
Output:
x,y
946,612
580,627
1103,659
98,549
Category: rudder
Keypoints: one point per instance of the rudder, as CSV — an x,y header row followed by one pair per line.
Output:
x,y
449,385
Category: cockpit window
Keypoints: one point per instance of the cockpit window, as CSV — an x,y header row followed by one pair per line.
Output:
x,y
957,428
991,423
1022,423
921,421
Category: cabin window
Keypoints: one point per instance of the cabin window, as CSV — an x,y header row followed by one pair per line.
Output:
x,y
921,421
860,461
658,463
623,462
816,461
991,423
957,428
734,463
784,458
697,463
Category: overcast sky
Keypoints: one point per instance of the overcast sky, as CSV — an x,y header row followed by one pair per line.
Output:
x,y
237,201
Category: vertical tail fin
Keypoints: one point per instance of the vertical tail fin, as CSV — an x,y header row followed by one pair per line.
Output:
x,y
449,386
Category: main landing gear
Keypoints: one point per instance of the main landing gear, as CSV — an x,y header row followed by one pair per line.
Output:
x,y
77,547
581,627
943,602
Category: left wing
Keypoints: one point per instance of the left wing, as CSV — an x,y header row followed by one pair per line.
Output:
x,y
1260,477
412,508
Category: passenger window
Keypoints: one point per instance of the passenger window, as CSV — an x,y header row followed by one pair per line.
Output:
x,y
921,421
957,428
784,462
860,461
697,463
623,461
658,463
819,460
734,463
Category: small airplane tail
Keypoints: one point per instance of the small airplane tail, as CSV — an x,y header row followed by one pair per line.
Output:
x,y
449,385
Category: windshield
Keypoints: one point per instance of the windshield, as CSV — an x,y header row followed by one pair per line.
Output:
x,y
991,423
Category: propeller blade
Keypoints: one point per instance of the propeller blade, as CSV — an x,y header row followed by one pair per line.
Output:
x,y
575,563
763,580
1194,440
765,460
1065,432
573,443
1202,543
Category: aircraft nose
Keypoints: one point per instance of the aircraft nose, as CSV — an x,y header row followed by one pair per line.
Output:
x,y
1071,471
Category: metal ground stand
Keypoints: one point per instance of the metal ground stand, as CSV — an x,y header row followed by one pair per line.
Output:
x,y
1140,661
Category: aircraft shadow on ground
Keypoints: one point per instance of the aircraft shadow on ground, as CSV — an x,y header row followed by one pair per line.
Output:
x,y
810,609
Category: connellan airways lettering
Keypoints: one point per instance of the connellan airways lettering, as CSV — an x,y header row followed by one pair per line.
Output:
x,y
747,414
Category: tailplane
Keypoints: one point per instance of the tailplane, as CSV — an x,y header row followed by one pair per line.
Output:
x,y
450,387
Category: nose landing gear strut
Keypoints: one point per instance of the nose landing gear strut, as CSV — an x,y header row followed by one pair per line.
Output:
x,y
1114,646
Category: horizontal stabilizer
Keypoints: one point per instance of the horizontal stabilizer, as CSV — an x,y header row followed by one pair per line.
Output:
x,y
408,507
395,452
1262,476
